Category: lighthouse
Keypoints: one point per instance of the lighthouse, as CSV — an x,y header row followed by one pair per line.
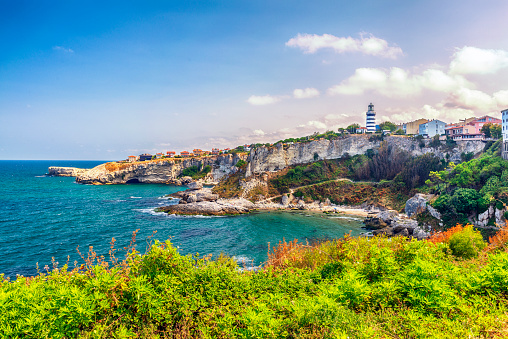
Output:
x,y
371,119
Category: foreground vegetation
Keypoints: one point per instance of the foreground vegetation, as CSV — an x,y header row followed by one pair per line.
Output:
x,y
453,286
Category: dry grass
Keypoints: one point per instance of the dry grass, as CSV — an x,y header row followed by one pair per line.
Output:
x,y
115,166
499,241
444,237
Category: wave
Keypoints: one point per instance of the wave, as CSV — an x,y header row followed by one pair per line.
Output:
x,y
245,263
348,218
132,197
150,211
42,176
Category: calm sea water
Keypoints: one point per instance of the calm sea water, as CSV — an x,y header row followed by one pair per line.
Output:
x,y
43,217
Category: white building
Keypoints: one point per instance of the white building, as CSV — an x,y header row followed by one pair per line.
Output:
x,y
504,130
371,119
431,128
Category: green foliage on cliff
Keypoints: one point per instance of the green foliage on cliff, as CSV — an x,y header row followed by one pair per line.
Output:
x,y
349,288
195,172
472,186
312,173
354,194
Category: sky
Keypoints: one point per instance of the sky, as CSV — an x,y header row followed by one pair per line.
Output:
x,y
105,80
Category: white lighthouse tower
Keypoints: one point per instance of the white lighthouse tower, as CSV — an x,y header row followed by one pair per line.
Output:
x,y
371,119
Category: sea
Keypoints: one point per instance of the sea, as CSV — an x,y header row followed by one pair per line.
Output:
x,y
45,220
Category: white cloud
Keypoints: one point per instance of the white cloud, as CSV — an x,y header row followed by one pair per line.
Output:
x,y
478,100
259,132
397,82
472,99
314,124
311,43
472,60
501,98
305,93
262,100
62,49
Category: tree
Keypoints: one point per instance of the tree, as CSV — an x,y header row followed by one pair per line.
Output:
x,y
400,132
387,125
352,128
495,131
486,130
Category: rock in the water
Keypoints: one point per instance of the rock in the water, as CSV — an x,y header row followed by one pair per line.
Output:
x,y
186,180
192,198
207,195
380,220
195,185
66,171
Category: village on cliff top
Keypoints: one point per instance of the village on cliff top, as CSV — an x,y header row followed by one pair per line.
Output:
x,y
481,128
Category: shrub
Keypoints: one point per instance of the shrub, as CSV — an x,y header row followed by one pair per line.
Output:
x,y
241,163
466,244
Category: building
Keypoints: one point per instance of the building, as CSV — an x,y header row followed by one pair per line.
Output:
x,y
479,122
470,129
361,130
246,148
185,154
132,158
215,151
145,157
371,119
463,132
432,128
504,130
412,127
170,154
159,155
197,152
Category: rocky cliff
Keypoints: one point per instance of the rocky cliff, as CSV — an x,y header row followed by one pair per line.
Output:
x,y
66,171
263,159
157,171
275,158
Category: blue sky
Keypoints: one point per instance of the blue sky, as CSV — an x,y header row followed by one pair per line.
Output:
x,y
104,80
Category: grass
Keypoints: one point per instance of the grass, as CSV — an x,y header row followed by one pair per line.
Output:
x,y
346,288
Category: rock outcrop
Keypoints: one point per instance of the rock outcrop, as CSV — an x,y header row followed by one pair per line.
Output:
x,y
164,171
217,208
66,171
390,223
493,213
419,204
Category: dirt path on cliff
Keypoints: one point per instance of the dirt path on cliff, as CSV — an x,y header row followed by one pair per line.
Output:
x,y
292,190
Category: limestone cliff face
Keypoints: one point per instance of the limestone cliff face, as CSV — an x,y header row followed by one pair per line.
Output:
x,y
66,171
262,159
275,158
158,171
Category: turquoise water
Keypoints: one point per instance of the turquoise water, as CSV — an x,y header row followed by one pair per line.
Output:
x,y
43,217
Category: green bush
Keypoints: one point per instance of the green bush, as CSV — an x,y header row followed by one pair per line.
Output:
x,y
467,244
241,163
